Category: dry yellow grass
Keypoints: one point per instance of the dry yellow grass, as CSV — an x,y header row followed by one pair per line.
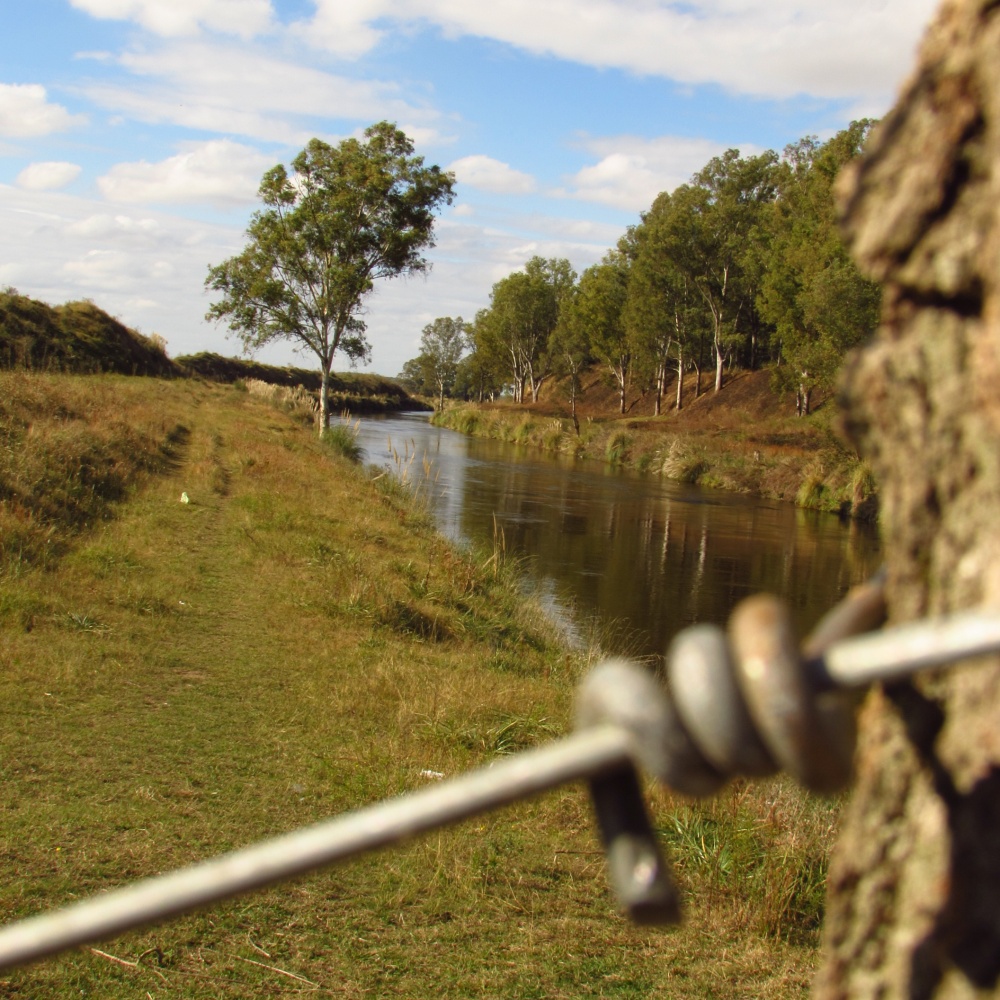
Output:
x,y
183,678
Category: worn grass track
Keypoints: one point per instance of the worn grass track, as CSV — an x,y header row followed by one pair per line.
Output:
x,y
178,679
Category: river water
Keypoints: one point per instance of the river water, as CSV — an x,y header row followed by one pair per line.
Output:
x,y
640,555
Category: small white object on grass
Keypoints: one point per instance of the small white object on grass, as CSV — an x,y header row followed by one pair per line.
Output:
x,y
185,498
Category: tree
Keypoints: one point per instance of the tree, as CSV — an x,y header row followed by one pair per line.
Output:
x,y
914,882
414,378
662,315
598,308
483,371
442,343
811,291
715,225
569,351
346,216
524,309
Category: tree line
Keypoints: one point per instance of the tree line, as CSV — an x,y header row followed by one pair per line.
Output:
x,y
742,266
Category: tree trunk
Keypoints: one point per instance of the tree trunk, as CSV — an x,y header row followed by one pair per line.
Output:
x,y
719,359
680,379
324,397
914,907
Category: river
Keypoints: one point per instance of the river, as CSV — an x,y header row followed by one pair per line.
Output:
x,y
635,557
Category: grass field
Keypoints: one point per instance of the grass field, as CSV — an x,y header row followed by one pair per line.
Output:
x,y
179,679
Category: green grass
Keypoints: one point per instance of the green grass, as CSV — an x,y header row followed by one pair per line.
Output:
x,y
179,679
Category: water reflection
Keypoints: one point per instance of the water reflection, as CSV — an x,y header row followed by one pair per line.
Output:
x,y
643,554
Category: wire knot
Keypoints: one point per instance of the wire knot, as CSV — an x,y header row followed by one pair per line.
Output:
x,y
740,701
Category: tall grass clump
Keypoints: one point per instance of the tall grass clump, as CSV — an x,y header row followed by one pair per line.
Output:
x,y
617,448
295,399
756,858
342,438
683,463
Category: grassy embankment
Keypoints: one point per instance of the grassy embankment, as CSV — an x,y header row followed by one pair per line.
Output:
x,y
80,337
180,679
745,439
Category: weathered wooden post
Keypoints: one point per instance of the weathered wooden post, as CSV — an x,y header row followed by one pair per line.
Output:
x,y
914,905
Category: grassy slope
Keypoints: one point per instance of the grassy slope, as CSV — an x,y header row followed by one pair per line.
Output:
x,y
77,336
180,679
745,438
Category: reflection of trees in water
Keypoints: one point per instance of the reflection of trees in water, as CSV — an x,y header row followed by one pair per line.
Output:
x,y
631,551
647,555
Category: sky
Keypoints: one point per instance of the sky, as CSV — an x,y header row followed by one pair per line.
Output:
x,y
134,133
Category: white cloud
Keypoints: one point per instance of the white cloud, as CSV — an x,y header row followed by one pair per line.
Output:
x,y
119,229
342,28
487,174
244,18
632,171
25,112
148,267
220,172
47,176
242,91
841,49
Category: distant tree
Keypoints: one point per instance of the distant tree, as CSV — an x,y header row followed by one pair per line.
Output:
x,y
663,310
442,344
715,222
414,378
524,310
346,216
483,372
597,311
569,351
811,291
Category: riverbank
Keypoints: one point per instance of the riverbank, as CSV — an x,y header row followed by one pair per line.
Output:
x,y
215,628
745,439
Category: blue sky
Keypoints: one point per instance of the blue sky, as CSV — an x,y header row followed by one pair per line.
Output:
x,y
133,133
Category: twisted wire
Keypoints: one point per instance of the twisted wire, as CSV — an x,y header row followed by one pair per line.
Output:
x,y
740,701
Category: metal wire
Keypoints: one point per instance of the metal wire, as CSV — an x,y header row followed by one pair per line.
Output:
x,y
582,755
742,702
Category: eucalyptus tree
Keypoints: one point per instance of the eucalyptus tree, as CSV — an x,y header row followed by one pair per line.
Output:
x,y
442,345
485,370
346,216
523,312
811,291
598,308
662,314
716,221
569,351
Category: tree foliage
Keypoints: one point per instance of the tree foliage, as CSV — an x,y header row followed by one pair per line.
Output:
x,y
812,292
743,265
524,309
597,312
435,368
346,216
